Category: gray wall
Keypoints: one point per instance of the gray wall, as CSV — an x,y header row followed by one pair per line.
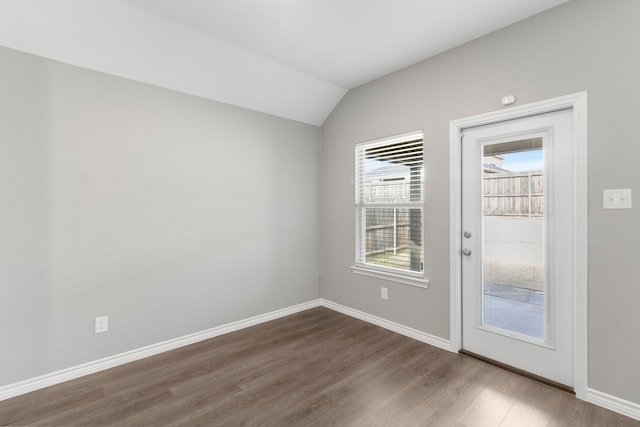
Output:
x,y
584,45
169,213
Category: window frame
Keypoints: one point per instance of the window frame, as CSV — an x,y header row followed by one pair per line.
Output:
x,y
408,277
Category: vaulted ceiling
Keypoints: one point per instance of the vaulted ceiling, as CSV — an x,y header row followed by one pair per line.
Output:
x,y
290,58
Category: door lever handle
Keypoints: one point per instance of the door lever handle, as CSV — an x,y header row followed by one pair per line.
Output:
x,y
466,252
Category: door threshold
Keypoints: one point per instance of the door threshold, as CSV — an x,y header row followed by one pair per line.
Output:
x,y
520,372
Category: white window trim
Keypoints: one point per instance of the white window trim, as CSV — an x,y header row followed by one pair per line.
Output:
x,y
403,277
411,278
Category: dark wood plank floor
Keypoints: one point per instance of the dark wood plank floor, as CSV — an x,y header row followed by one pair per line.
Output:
x,y
315,368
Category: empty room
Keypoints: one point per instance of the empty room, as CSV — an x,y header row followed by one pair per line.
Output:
x,y
319,212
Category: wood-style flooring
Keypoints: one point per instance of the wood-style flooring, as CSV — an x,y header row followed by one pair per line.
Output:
x,y
315,368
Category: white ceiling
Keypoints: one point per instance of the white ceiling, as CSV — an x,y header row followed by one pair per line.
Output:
x,y
291,58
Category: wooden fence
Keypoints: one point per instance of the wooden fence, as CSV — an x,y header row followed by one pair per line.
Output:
x,y
514,194
387,230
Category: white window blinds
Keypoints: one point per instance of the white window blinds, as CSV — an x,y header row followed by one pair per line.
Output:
x,y
389,201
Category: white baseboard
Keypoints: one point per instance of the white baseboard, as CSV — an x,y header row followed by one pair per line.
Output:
x,y
392,326
57,377
613,403
53,378
625,407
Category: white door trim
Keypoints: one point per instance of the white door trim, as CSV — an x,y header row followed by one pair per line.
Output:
x,y
578,103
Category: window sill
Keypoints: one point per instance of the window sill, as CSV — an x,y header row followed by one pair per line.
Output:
x,y
418,282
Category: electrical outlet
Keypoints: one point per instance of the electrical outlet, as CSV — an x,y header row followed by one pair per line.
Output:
x,y
101,324
617,199
383,293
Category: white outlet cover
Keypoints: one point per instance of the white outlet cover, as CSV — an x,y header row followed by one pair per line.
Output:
x,y
616,199
101,324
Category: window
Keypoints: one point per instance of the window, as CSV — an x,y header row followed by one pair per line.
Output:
x,y
389,201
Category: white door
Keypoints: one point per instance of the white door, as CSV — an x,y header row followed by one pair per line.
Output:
x,y
517,224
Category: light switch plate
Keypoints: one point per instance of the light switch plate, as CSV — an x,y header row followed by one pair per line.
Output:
x,y
616,199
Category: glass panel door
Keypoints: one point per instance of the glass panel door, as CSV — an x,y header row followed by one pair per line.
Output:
x,y
517,243
513,264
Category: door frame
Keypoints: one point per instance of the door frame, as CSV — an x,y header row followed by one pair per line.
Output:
x,y
578,103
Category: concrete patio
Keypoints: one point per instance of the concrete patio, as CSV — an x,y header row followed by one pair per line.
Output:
x,y
514,309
